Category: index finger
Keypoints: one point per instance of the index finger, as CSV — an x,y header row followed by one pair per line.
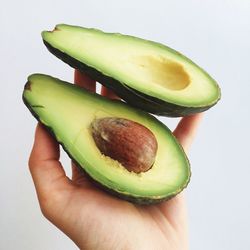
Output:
x,y
84,81
109,93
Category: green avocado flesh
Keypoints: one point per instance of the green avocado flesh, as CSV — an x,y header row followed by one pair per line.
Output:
x,y
146,74
68,111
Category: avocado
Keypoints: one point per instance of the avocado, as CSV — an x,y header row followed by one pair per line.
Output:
x,y
69,113
146,74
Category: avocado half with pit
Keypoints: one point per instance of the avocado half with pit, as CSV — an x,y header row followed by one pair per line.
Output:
x,y
68,112
146,74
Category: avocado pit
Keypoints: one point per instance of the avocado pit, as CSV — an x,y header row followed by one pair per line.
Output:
x,y
130,143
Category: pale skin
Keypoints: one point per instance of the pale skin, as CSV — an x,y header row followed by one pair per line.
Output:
x,y
93,219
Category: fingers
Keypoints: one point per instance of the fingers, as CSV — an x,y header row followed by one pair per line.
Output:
x,y
109,93
186,129
47,172
84,81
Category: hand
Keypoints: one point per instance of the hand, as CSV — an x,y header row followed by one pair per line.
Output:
x,y
92,218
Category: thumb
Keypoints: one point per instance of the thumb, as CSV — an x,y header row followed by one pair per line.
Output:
x,y
46,170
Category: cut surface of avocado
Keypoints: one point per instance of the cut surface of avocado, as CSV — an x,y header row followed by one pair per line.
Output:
x,y
68,111
146,74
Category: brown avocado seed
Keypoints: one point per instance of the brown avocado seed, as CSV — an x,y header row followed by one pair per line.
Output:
x,y
128,142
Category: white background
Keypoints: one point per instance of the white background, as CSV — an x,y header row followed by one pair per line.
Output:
x,y
215,34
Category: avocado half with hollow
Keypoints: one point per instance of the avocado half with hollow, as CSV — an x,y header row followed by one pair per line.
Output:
x,y
146,74
68,112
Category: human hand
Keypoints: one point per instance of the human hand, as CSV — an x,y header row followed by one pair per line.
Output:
x,y
92,218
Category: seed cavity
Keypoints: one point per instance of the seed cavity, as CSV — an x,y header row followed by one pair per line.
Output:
x,y
130,143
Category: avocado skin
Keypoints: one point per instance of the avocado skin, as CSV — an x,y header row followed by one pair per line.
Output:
x,y
130,95
126,197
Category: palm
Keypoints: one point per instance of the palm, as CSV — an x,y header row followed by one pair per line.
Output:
x,y
104,221
96,220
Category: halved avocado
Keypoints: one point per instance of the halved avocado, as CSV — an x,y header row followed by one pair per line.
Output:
x,y
68,111
146,74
